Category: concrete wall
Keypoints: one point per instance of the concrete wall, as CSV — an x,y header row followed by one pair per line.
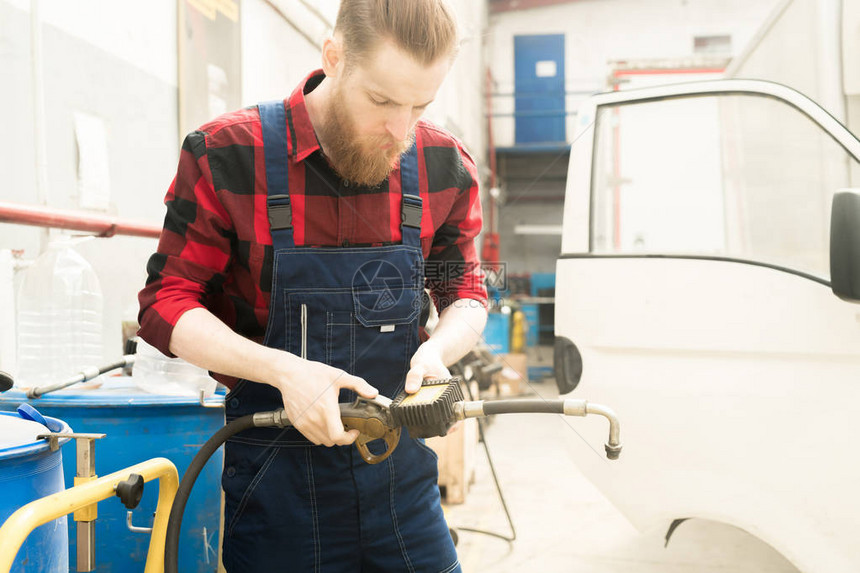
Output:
x,y
275,57
117,62
460,104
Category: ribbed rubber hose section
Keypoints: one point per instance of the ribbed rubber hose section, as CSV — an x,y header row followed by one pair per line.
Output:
x,y
174,523
523,407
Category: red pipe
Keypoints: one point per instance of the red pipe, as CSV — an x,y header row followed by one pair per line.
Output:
x,y
490,139
102,225
490,248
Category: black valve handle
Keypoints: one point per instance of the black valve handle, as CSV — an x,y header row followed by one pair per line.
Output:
x,y
130,490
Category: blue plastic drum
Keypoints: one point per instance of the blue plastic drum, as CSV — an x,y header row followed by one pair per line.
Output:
x,y
29,470
142,426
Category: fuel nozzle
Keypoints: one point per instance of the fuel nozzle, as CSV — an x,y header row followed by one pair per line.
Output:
x,y
431,411
434,408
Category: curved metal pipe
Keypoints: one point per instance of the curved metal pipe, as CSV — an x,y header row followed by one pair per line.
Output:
x,y
613,447
568,407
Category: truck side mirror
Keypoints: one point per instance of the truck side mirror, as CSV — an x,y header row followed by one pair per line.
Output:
x,y
845,245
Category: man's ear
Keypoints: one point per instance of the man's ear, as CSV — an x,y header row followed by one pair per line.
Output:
x,y
332,57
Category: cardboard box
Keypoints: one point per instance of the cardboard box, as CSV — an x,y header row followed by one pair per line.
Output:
x,y
456,453
513,379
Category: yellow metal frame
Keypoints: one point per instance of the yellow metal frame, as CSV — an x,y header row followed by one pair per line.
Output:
x,y
19,525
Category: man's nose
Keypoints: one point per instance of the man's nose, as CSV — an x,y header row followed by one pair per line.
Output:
x,y
398,123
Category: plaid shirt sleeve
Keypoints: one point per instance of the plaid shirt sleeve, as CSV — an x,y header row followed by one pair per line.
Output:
x,y
193,251
453,269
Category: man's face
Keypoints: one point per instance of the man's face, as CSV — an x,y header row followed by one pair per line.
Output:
x,y
371,115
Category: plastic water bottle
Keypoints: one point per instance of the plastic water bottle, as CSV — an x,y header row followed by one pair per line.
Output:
x,y
158,374
60,310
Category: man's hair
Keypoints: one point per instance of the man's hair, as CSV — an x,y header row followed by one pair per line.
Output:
x,y
425,29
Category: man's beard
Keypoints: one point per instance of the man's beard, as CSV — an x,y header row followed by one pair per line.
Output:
x,y
357,159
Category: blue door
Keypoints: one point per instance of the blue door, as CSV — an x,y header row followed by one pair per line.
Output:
x,y
539,88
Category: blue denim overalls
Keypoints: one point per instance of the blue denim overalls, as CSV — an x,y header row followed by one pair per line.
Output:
x,y
293,506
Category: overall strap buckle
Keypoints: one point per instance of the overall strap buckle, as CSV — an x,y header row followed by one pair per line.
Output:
x,y
411,211
280,212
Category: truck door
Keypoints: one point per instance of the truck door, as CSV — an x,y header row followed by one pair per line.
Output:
x,y
694,287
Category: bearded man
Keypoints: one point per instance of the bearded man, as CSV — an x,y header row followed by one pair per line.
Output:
x,y
291,266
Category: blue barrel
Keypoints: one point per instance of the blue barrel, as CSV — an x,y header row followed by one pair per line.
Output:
x,y
142,426
29,470
497,333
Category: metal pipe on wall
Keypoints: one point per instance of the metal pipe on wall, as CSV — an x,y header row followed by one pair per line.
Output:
x,y
102,225
490,247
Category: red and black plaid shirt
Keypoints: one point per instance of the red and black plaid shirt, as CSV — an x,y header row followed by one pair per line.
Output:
x,y
216,248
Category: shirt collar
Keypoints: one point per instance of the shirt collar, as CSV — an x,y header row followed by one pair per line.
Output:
x,y
305,139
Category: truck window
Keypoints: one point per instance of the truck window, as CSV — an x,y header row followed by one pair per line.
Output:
x,y
737,176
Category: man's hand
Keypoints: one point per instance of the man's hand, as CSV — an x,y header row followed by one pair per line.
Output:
x,y
457,331
309,389
310,392
427,362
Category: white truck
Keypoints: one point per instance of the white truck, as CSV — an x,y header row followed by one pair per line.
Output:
x,y
706,292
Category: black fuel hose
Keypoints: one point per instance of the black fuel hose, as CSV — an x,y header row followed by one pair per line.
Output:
x,y
174,523
523,407
171,548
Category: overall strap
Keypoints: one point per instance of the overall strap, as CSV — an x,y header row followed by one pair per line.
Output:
x,y
274,121
410,222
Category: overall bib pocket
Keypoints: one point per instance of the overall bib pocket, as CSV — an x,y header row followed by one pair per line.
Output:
x,y
309,318
347,328
386,319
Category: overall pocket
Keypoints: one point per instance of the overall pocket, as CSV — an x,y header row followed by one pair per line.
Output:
x,y
389,306
386,334
367,332
307,321
340,340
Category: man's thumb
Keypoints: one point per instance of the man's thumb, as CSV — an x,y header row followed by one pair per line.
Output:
x,y
414,379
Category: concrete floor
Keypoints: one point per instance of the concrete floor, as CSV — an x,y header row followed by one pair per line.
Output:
x,y
565,524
